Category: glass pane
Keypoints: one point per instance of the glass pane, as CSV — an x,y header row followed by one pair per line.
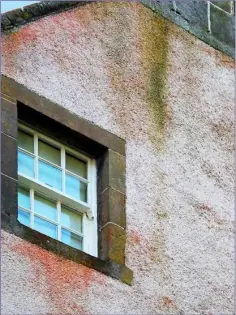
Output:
x,y
76,166
45,207
71,219
45,227
24,198
50,175
71,239
49,153
75,188
25,164
23,217
26,141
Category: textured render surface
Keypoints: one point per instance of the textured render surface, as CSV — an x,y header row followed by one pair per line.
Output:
x,y
171,97
213,24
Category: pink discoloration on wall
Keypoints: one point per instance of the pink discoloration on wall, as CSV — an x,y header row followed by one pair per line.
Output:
x,y
58,278
205,207
14,43
219,57
134,237
168,303
98,61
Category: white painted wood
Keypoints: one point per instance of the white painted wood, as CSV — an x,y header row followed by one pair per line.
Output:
x,y
59,220
32,208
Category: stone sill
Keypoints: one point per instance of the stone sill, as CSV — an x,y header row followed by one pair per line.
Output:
x,y
117,271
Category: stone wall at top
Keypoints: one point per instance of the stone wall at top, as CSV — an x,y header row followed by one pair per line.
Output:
x,y
211,21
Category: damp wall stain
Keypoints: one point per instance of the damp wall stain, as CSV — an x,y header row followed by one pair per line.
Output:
x,y
57,278
154,34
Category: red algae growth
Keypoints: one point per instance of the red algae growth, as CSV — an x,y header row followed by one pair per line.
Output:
x,y
134,237
14,42
168,302
58,279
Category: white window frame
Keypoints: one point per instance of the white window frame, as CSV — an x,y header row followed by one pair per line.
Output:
x,y
87,209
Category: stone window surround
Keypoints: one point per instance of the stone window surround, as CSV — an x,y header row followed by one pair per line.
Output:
x,y
18,102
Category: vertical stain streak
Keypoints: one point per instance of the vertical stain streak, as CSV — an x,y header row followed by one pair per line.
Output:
x,y
154,39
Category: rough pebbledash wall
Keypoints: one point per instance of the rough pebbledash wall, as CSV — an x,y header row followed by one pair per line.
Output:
x,y
171,97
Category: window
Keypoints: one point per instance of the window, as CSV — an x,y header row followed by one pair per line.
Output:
x,y
56,190
63,182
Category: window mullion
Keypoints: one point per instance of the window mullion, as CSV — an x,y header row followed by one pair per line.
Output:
x,y
85,245
32,208
63,165
36,156
59,220
89,224
89,176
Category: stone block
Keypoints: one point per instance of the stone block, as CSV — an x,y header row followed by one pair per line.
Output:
x,y
111,208
9,118
195,12
9,195
111,172
9,156
224,5
222,26
126,275
112,241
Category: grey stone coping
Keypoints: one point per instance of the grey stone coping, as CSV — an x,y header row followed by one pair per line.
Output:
x,y
193,16
21,16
